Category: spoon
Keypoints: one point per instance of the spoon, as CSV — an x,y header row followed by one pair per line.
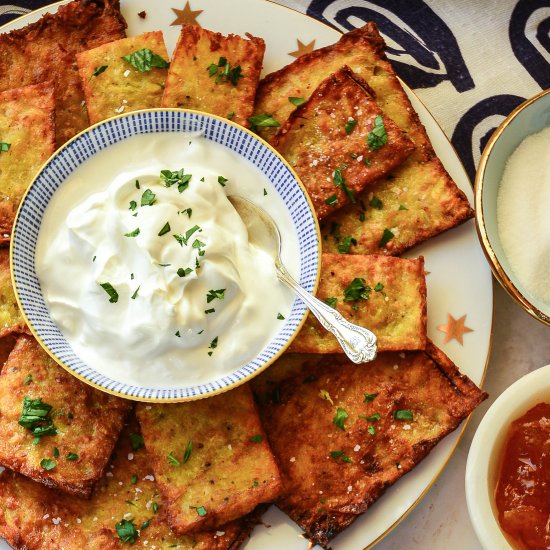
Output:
x,y
358,343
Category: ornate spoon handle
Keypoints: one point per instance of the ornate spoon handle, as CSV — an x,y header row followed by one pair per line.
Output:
x,y
358,343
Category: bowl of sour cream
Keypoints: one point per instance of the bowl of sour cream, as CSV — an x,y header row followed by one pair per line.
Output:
x,y
512,205
134,271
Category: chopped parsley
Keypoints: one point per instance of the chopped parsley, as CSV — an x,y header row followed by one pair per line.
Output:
x,y
370,397
133,233
99,70
402,207
280,316
296,101
345,244
213,294
340,455
187,452
331,302
176,177
231,115
48,464
27,380
403,414
357,289
136,441
340,418
146,524
350,125
178,334
134,479
201,510
184,272
109,289
332,200
378,287
375,202
377,136
173,460
263,121
155,507
55,452
265,191
133,205
144,60
183,240
135,294
165,229
4,147
224,73
138,186
222,181
372,430
71,456
148,198
373,417
36,416
211,310
367,161
126,531
339,181
213,345
387,236
256,438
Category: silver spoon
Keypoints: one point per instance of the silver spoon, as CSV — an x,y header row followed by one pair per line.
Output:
x,y
358,343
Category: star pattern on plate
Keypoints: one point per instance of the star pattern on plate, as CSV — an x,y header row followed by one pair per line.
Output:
x,y
186,16
302,48
455,329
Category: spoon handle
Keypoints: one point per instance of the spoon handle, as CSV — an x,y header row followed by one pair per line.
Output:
x,y
358,343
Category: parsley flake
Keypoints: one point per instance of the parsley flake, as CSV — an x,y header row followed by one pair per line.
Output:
x,y
387,236
126,531
339,181
375,202
213,294
4,147
135,294
224,73
256,438
173,460
36,416
48,464
231,115
165,229
71,456
201,510
340,418
184,272
138,186
373,417
109,289
370,397
263,121
211,310
357,289
340,455
377,136
403,414
187,453
55,452
177,177
148,198
350,125
332,200
99,70
133,233
378,287
134,479
27,380
213,345
345,244
133,205
183,240
144,60
280,316
331,302
296,101
222,181
402,207
371,430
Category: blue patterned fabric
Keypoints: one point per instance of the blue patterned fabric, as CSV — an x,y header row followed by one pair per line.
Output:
x,y
470,62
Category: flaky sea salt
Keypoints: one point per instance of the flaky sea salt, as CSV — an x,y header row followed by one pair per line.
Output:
x,y
523,222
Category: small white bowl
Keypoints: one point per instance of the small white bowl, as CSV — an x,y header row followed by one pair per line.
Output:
x,y
482,468
73,154
530,117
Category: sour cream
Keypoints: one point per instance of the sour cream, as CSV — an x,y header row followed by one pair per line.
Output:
x,y
147,270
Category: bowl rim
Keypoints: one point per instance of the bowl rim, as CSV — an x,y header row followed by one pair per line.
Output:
x,y
487,446
194,396
494,263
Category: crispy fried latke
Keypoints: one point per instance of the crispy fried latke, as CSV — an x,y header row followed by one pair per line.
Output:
x,y
27,129
87,421
11,320
215,73
419,198
384,294
210,458
335,425
113,86
331,141
46,50
34,517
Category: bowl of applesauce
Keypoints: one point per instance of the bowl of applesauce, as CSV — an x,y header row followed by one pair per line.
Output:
x,y
507,489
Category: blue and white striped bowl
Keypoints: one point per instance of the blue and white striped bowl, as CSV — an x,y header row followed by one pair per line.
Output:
x,y
58,168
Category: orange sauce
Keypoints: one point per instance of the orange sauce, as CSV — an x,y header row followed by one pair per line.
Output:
x,y
523,488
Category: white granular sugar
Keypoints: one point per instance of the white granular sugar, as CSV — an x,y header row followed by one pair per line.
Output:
x,y
523,206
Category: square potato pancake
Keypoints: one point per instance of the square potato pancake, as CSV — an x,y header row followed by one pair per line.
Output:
x,y
344,433
339,141
112,85
210,458
11,320
419,199
125,509
215,73
54,428
46,50
27,132
384,294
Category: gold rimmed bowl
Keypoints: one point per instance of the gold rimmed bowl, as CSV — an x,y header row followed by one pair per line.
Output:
x,y
527,119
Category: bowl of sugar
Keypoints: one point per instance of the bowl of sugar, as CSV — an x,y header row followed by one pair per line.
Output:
x,y
512,205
